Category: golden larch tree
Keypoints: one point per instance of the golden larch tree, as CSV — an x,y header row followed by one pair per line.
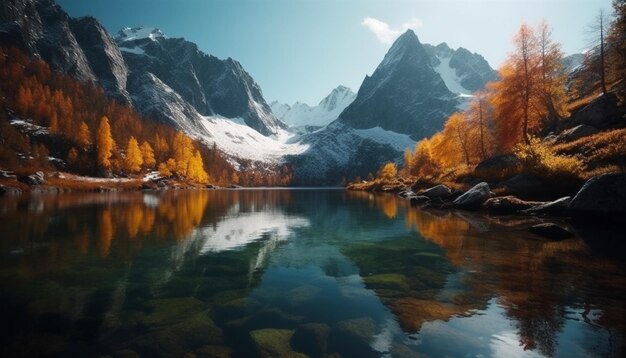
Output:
x,y
104,144
134,159
388,171
147,155
84,135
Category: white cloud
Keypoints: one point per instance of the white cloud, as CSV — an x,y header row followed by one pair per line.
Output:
x,y
384,33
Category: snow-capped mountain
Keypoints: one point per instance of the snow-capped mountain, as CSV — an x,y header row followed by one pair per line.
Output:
x,y
404,94
212,86
303,118
408,97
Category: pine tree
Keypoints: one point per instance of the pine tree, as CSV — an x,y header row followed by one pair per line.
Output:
x,y
133,160
104,144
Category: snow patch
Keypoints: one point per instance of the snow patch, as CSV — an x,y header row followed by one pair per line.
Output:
x,y
238,140
138,33
448,74
135,50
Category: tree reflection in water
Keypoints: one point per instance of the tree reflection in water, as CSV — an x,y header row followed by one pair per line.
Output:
x,y
539,283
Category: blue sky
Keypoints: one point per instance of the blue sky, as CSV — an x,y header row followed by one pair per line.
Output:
x,y
299,50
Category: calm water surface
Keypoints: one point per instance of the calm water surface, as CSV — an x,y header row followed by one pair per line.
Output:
x,y
295,273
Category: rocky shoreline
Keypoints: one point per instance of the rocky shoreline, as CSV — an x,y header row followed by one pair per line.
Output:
x,y
601,200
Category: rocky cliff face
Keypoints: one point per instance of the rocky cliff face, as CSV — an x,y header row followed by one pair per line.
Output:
x,y
42,28
404,94
103,55
212,86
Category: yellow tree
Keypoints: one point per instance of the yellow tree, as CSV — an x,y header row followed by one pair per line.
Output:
x,y
147,155
104,144
196,170
84,135
388,171
134,159
515,94
183,152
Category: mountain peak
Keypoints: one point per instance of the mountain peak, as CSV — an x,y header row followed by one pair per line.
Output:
x,y
138,33
407,46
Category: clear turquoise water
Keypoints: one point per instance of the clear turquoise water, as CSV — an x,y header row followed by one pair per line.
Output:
x,y
292,273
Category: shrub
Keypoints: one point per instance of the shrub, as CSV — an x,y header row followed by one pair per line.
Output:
x,y
540,160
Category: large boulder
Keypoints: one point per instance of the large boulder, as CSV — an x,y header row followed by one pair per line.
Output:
x,y
570,135
602,113
602,197
439,191
498,167
35,179
556,207
526,186
507,204
473,198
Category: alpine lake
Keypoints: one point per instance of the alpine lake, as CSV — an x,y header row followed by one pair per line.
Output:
x,y
298,272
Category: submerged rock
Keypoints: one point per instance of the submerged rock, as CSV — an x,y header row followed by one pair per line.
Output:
x,y
312,339
272,342
602,197
550,231
361,328
507,204
393,281
473,198
439,191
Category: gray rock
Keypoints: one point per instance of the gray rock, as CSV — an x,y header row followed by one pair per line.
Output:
x,y
35,179
473,198
577,132
601,113
406,194
524,185
602,197
507,204
502,166
556,207
439,191
550,231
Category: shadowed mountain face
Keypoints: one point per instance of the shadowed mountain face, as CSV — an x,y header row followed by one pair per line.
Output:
x,y
212,86
83,49
404,94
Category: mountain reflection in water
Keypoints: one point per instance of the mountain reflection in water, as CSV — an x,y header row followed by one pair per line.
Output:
x,y
287,272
